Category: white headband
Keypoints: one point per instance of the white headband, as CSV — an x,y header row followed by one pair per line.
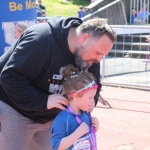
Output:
x,y
86,87
92,85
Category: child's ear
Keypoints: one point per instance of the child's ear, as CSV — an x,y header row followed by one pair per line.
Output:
x,y
75,96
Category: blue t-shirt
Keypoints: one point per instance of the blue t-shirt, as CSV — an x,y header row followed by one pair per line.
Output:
x,y
64,124
39,14
143,15
80,13
133,18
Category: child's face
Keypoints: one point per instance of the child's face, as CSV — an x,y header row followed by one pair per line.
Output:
x,y
86,101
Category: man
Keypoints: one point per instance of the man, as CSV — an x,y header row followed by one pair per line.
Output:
x,y
31,78
81,12
40,5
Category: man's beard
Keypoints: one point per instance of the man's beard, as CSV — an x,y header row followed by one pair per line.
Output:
x,y
82,64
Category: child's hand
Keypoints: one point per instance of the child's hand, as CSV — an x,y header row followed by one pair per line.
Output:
x,y
148,39
82,129
95,123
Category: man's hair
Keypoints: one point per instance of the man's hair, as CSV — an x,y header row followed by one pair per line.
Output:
x,y
81,7
97,27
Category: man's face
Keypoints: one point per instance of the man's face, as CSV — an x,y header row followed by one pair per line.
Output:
x,y
93,52
39,1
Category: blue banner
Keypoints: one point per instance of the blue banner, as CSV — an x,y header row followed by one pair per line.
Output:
x,y
12,13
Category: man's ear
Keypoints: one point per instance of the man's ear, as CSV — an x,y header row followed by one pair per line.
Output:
x,y
85,36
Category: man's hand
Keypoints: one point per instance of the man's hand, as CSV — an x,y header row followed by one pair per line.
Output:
x,y
56,101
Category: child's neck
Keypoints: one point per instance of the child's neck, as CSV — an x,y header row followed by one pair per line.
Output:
x,y
75,108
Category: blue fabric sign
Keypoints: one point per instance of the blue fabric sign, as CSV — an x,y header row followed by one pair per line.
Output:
x,y
13,12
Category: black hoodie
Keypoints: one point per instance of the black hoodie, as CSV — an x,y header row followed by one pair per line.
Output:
x,y
31,68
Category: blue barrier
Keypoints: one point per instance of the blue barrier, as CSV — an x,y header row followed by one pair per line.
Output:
x,y
13,12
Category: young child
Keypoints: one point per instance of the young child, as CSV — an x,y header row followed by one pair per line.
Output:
x,y
73,128
43,15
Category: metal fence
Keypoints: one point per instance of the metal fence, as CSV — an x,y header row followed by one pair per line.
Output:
x,y
128,63
107,7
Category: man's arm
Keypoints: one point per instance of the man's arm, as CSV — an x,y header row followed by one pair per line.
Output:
x,y
22,67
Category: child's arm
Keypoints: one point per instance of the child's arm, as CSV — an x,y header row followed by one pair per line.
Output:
x,y
69,140
95,123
